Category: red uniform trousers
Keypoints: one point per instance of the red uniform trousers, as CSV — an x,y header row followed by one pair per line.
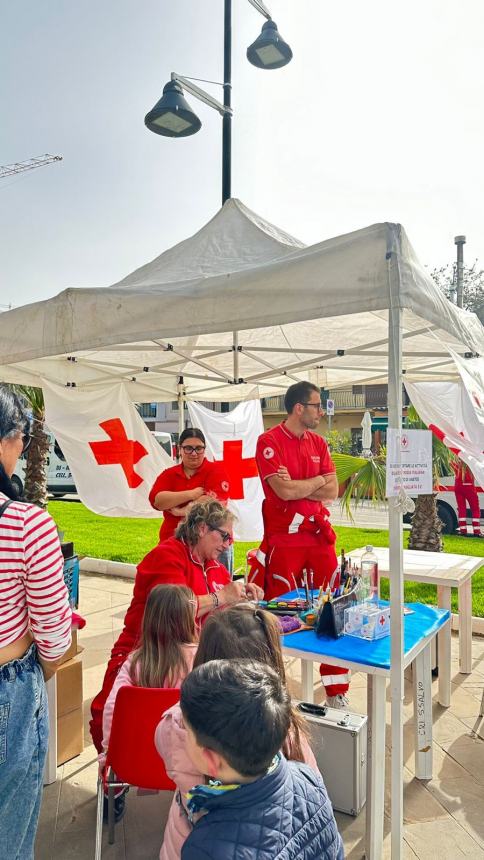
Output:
x,y
284,560
467,493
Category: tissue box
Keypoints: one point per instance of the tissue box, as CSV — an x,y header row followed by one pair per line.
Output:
x,y
367,621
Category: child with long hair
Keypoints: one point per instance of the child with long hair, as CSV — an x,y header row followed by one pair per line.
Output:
x,y
240,632
164,656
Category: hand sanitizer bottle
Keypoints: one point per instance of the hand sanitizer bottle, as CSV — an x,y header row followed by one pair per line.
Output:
x,y
369,575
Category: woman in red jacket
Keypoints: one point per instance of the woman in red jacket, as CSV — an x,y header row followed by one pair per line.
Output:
x,y
189,558
195,479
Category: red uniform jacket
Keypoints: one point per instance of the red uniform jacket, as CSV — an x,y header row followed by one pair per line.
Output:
x,y
171,562
211,476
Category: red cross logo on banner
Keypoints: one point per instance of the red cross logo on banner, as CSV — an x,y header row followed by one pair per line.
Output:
x,y
119,451
237,467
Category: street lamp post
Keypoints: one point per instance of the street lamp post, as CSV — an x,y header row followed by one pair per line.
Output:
x,y
227,117
172,115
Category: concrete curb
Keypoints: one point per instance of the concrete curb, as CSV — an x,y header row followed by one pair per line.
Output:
x,y
128,571
107,568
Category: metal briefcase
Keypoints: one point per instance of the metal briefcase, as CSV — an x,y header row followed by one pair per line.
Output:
x,y
339,740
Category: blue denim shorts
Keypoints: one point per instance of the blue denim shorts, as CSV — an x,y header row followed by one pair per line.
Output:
x,y
24,735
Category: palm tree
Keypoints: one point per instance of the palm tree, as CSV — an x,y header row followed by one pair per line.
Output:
x,y
35,485
426,531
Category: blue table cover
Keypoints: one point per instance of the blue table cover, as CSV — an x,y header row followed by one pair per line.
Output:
x,y
423,621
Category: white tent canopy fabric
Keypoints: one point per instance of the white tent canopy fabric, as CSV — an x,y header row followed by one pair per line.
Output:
x,y
318,312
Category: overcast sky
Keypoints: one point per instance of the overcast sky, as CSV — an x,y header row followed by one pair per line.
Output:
x,y
379,117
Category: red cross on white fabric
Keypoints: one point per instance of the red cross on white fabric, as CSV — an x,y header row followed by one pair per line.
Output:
x,y
237,467
119,451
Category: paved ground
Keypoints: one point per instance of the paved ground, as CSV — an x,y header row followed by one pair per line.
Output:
x,y
367,515
443,817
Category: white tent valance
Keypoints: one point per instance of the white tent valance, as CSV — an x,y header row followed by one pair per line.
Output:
x,y
318,312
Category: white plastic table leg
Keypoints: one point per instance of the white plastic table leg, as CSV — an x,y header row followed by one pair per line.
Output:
x,y
307,680
375,784
422,702
465,627
50,770
444,646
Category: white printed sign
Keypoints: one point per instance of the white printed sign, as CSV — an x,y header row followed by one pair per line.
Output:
x,y
409,462
330,407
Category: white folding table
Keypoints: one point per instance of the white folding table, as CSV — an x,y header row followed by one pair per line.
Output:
x,y
446,571
373,658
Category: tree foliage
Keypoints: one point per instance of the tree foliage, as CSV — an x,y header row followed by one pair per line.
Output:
x,y
35,485
473,286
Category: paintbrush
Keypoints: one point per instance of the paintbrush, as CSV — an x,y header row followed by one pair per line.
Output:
x,y
295,586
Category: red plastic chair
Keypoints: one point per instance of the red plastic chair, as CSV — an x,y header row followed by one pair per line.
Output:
x,y
132,758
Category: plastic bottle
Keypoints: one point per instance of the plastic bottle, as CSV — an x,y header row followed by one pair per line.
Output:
x,y
369,575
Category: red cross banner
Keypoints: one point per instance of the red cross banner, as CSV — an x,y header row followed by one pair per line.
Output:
x,y
113,457
231,439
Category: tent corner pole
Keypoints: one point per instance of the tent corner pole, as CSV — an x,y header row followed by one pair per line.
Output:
x,y
181,406
396,568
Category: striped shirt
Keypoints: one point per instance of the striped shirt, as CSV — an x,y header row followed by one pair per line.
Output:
x,y
33,594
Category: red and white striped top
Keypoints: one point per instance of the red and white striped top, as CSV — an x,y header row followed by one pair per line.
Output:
x,y
32,589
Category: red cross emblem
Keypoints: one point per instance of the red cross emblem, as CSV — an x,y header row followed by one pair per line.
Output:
x,y
119,451
382,620
237,467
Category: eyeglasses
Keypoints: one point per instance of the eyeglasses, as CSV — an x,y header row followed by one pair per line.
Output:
x,y
193,449
316,405
226,536
26,440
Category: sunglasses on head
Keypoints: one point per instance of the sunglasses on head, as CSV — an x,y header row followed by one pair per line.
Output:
x,y
226,536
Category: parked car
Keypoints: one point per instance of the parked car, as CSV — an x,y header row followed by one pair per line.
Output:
x,y
59,476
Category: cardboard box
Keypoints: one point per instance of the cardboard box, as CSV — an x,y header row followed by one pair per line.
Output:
x,y
70,735
73,648
70,723
69,686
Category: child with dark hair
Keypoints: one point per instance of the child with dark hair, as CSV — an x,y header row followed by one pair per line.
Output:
x,y
238,633
237,715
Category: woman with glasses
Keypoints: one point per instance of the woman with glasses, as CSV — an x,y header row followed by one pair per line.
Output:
x,y
35,631
190,558
195,479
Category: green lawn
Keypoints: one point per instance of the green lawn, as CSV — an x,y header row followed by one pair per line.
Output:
x,y
130,539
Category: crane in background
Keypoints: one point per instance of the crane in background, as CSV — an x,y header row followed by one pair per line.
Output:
x,y
30,164
20,167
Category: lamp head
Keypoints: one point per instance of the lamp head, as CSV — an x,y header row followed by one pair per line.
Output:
x,y
172,116
269,51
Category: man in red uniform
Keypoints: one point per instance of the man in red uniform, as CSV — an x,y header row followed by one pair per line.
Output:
x,y
298,477
466,494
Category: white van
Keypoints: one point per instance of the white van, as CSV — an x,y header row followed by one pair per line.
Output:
x,y
59,476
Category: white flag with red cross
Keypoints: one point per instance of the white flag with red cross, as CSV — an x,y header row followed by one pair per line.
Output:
x,y
449,411
113,457
231,439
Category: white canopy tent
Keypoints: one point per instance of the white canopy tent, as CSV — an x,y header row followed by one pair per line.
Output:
x,y
241,310
319,312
